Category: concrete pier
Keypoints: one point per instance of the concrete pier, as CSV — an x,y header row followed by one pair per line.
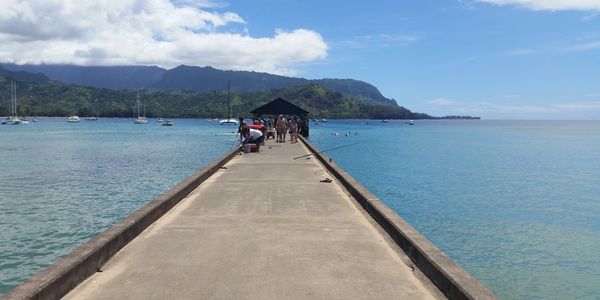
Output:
x,y
258,226
262,227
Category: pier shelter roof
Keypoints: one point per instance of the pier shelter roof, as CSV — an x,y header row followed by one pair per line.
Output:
x,y
280,106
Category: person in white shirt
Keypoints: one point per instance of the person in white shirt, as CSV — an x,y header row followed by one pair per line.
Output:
x,y
254,136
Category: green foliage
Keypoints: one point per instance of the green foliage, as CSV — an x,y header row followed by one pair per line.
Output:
x,y
59,100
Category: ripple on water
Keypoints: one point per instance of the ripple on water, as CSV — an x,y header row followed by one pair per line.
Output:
x,y
61,185
513,202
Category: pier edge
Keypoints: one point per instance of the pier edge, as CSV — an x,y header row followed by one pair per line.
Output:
x,y
62,276
449,277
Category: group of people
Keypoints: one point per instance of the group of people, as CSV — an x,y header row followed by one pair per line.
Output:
x,y
263,128
283,126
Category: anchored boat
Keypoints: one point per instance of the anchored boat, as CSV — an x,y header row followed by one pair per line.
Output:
x,y
13,119
229,120
73,119
140,119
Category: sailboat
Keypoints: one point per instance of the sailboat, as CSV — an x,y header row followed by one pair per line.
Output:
x,y
229,120
13,119
140,120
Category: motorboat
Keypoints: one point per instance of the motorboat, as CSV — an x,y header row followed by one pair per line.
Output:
x,y
411,122
229,121
73,119
168,123
92,118
160,120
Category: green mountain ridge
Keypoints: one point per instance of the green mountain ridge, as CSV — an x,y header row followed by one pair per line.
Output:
x,y
56,99
194,79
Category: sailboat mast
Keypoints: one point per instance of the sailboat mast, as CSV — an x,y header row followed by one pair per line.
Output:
x,y
137,102
14,98
228,100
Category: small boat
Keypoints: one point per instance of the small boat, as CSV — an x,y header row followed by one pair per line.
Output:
x,y
35,120
229,121
168,123
73,119
324,120
160,120
92,118
411,122
384,121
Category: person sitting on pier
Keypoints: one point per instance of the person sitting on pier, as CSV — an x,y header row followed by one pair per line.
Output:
x,y
253,136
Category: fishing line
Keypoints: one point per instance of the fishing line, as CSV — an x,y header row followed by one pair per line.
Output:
x,y
335,148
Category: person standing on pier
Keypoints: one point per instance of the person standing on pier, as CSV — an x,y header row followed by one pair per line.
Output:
x,y
293,130
281,127
241,128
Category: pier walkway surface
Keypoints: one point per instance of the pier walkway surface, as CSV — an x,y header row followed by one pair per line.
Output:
x,y
263,227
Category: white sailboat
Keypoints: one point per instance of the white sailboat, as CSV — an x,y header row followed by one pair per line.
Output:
x,y
229,120
140,119
13,119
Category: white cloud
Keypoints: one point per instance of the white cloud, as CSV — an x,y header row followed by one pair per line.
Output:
x,y
382,40
442,102
149,32
572,110
520,52
551,5
592,45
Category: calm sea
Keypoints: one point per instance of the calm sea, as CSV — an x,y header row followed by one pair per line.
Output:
x,y
62,183
514,202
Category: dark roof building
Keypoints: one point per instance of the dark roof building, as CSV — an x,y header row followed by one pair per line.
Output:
x,y
281,106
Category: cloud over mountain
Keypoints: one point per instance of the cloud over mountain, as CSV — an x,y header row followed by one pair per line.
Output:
x,y
148,32
552,5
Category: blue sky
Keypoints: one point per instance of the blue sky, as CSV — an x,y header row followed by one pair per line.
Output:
x,y
451,57
498,59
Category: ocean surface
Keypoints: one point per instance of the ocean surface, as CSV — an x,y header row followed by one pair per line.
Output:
x,y
516,203
63,183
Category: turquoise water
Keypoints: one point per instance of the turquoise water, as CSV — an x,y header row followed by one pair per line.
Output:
x,y
516,203
63,183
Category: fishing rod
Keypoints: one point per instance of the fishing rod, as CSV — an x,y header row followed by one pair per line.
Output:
x,y
328,150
